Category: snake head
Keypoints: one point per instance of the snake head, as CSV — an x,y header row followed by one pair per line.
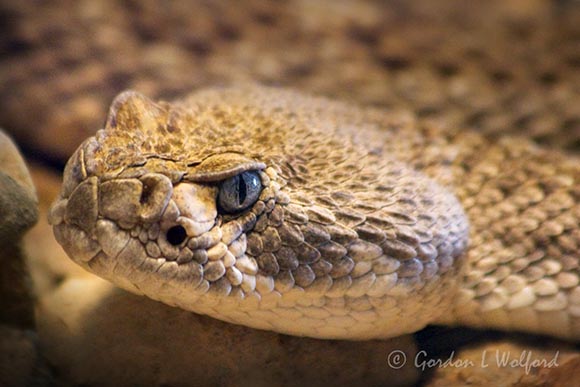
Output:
x,y
263,208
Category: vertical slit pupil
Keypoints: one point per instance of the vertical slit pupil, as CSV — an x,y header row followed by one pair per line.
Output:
x,y
176,235
242,192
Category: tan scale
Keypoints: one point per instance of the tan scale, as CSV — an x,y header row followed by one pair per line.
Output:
x,y
369,224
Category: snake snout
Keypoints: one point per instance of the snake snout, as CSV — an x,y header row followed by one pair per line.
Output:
x,y
84,212
135,200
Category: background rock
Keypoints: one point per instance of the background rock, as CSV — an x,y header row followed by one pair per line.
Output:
x,y
19,359
111,337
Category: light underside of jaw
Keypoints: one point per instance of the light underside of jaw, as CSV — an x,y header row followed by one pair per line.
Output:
x,y
263,305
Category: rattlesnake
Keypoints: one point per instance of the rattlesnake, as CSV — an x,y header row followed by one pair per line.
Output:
x,y
286,212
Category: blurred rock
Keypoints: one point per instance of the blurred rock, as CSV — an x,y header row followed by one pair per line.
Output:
x,y
20,362
96,334
565,375
18,212
508,362
18,202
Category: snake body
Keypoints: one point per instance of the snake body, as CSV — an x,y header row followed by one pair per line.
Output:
x,y
368,224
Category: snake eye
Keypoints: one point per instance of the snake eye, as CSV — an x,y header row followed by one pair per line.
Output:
x,y
239,192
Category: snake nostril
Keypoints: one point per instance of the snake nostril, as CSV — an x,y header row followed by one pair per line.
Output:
x,y
146,193
176,235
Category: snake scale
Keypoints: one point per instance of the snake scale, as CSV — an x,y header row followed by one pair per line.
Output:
x,y
306,216
281,211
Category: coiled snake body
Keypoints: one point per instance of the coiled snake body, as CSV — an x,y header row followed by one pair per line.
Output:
x,y
297,214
